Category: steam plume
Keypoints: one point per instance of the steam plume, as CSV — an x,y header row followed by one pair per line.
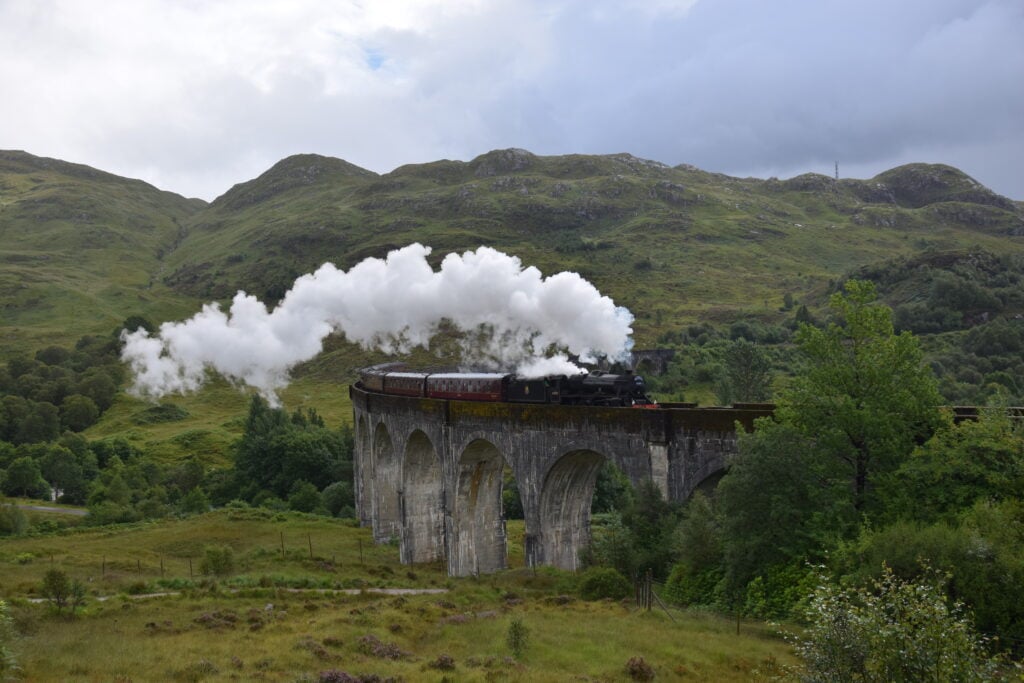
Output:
x,y
515,317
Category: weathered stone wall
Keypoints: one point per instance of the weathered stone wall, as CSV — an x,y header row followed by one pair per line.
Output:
x,y
429,472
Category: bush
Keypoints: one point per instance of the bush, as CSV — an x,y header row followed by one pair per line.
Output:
x,y
218,560
13,521
338,497
62,591
778,592
8,662
639,670
599,583
892,631
304,497
689,586
443,663
517,637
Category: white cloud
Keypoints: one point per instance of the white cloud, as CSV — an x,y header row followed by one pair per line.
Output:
x,y
196,96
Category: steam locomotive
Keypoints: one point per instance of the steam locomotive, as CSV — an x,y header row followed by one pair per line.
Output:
x,y
594,389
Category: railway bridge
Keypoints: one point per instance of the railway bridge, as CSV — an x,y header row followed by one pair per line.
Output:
x,y
429,472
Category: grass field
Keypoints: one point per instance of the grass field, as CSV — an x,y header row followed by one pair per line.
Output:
x,y
285,616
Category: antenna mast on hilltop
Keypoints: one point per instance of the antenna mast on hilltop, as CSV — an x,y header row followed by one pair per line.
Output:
x,y
837,170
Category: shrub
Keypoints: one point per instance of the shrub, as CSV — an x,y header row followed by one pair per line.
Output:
x,y
305,498
372,645
338,497
639,670
13,521
218,560
517,637
599,583
892,631
443,663
8,662
62,591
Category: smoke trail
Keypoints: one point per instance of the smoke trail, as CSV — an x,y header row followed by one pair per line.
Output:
x,y
514,317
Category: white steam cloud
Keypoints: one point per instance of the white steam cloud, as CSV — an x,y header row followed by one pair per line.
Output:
x,y
514,317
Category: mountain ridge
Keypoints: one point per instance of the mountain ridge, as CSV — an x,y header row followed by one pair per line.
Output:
x,y
671,243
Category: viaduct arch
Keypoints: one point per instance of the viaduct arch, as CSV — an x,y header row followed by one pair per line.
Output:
x,y
429,471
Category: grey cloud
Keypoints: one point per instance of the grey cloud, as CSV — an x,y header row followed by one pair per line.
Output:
x,y
737,86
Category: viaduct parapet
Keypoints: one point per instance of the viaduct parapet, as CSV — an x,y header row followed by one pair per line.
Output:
x,y
429,472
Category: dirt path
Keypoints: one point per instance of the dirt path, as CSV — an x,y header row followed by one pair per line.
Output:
x,y
345,591
77,512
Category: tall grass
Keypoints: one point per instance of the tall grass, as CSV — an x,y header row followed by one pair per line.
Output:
x,y
260,624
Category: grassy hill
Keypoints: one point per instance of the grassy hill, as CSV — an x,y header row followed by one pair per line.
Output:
x,y
298,600
672,244
81,250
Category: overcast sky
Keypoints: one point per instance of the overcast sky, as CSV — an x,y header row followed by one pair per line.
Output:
x,y
196,95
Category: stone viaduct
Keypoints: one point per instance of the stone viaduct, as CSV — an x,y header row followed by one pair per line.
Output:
x,y
429,472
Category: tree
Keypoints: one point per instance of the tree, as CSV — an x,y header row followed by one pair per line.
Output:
x,y
806,479
62,470
612,490
99,386
651,520
13,410
780,501
698,545
24,479
42,423
961,464
194,502
62,591
746,374
78,412
275,451
865,396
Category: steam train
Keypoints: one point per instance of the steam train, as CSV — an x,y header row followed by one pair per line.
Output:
x,y
594,389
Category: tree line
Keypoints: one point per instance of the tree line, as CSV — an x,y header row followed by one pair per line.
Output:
x,y
859,479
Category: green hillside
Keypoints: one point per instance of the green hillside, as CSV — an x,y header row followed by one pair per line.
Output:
x,y
82,250
672,244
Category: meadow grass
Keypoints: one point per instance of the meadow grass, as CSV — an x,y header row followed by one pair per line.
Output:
x,y
285,617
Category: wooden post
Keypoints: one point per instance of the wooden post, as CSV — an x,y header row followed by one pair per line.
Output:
x,y
161,566
104,570
190,567
360,551
138,565
282,545
309,537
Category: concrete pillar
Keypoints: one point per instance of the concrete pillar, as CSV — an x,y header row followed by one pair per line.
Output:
x,y
477,538
363,471
565,508
386,480
423,524
659,467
